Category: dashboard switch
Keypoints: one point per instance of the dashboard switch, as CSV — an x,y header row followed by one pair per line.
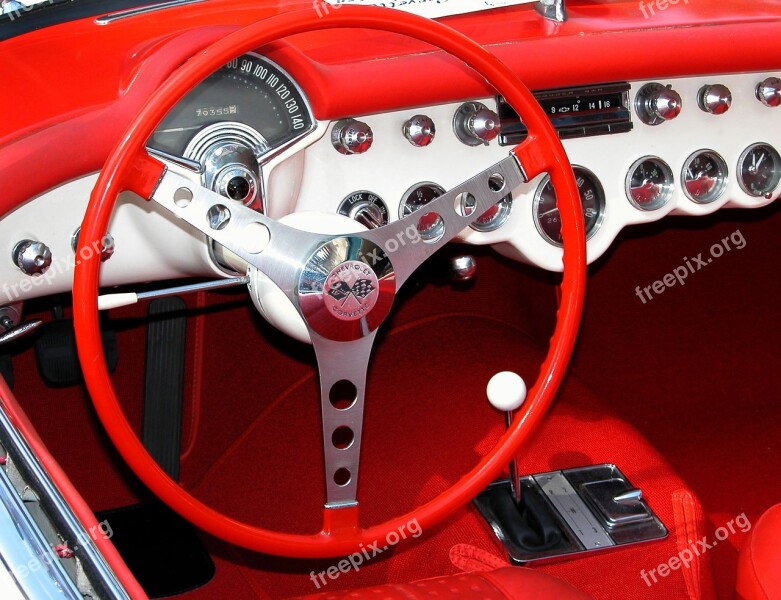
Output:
x,y
656,103
769,92
475,124
714,99
352,137
32,258
419,130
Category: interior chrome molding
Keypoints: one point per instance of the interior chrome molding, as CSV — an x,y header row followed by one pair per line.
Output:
x,y
93,566
132,12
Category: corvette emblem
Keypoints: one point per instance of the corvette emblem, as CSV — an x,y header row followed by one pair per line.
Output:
x,y
350,290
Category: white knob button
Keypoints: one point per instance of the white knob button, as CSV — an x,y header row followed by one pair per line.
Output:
x,y
506,391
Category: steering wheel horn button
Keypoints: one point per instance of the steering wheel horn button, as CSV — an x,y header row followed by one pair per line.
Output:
x,y
346,289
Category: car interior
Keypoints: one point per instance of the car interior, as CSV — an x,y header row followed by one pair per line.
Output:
x,y
394,299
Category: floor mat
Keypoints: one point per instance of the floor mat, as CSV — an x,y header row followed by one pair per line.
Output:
x,y
162,550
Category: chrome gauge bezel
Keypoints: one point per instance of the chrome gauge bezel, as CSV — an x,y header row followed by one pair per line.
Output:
x,y
777,175
595,226
414,188
667,191
498,219
722,180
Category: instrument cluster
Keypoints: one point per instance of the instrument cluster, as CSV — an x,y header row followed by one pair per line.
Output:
x,y
639,150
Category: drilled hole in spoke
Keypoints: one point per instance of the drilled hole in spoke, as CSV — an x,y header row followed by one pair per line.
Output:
x,y
218,216
496,182
182,197
466,204
342,438
342,477
431,227
343,395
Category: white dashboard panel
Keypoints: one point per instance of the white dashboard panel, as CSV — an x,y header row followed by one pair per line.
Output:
x,y
313,176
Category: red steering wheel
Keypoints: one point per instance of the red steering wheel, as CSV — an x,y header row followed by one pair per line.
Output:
x,y
131,168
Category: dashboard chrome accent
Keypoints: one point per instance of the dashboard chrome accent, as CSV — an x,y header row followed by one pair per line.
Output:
x,y
93,574
132,12
704,176
575,112
649,183
553,10
759,170
475,124
656,103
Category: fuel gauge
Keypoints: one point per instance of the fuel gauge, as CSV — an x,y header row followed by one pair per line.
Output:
x,y
649,183
759,170
704,176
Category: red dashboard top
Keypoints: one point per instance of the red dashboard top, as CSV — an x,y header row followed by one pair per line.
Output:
x,y
76,85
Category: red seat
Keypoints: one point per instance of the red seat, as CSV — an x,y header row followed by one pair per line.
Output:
x,y
760,559
507,582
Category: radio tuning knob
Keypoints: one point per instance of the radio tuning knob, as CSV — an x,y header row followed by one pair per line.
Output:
x,y
32,258
475,124
352,137
419,130
656,103
769,92
714,99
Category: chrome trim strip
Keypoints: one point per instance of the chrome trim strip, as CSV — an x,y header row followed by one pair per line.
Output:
x,y
31,562
100,575
132,12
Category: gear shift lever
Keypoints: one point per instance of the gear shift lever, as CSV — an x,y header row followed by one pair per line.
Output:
x,y
506,391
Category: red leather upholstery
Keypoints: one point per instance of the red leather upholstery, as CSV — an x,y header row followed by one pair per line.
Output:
x,y
508,582
759,573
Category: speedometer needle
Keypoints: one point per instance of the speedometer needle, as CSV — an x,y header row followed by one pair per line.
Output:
x,y
178,129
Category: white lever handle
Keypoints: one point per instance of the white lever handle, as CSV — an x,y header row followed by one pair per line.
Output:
x,y
506,391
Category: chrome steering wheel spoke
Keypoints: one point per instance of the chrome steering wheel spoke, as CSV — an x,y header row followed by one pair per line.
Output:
x,y
342,285
408,242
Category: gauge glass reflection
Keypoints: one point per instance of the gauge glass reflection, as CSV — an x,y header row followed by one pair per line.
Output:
x,y
759,170
649,183
546,213
704,176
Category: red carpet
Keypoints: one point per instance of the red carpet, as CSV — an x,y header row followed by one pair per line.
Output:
x,y
693,371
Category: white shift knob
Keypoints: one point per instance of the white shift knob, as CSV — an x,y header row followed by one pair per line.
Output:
x,y
506,391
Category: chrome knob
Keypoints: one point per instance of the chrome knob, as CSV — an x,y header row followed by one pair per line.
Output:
x,y
108,246
419,130
656,103
476,124
463,268
715,99
769,92
352,137
32,257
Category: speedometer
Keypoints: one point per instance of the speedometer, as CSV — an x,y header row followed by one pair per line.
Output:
x,y
250,91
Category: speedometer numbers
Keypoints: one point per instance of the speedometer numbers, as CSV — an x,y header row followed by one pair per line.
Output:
x,y
546,213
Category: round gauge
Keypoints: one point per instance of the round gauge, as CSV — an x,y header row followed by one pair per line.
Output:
x,y
546,213
494,217
704,176
365,207
431,226
649,183
249,90
759,170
